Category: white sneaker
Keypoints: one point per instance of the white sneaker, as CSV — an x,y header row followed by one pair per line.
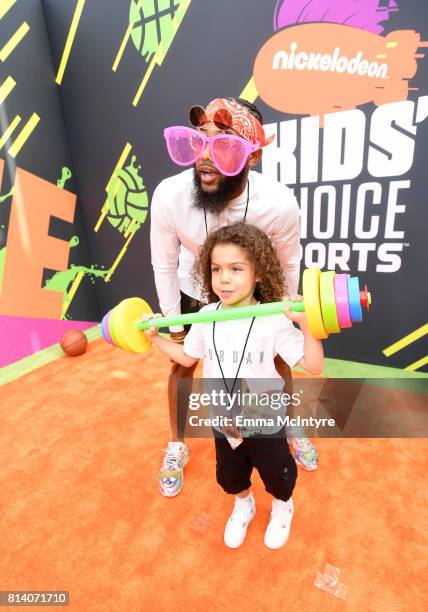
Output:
x,y
237,525
171,476
278,530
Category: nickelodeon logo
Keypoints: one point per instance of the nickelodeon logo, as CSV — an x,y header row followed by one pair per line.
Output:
x,y
318,68
333,63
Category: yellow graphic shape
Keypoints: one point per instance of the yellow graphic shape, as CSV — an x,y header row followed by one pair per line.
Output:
x,y
70,38
5,88
250,92
130,228
5,5
71,293
14,41
418,364
24,134
122,47
9,130
119,257
409,339
161,52
126,150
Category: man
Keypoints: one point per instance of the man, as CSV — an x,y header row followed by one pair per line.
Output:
x,y
224,144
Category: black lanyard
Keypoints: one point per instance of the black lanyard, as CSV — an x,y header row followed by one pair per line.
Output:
x,y
242,357
246,208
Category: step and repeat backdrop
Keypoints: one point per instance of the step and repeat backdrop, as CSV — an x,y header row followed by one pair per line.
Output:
x,y
88,86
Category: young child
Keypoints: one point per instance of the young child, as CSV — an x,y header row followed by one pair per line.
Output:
x,y
237,266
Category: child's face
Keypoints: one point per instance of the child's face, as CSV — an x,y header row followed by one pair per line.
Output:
x,y
233,276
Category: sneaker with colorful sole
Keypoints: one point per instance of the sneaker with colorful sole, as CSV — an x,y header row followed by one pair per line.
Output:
x,y
171,477
303,452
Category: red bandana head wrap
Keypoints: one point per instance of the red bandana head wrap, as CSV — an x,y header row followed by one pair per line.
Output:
x,y
228,114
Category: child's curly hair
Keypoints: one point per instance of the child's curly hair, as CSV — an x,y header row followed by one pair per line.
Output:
x,y
259,251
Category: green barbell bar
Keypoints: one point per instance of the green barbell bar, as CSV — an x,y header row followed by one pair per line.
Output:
x,y
122,326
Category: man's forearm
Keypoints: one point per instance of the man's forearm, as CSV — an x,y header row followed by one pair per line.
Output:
x,y
291,279
168,291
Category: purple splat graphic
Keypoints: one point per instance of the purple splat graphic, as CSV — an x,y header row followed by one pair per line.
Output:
x,y
363,14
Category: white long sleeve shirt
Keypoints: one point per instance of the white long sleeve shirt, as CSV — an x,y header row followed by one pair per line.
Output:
x,y
178,230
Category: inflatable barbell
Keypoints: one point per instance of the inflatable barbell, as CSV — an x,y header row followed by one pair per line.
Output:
x,y
331,302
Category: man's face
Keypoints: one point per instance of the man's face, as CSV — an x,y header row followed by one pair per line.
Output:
x,y
210,178
213,190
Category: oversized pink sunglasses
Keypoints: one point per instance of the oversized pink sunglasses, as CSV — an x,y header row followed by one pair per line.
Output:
x,y
228,152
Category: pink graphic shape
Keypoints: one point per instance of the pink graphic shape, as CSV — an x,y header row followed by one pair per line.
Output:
x,y
342,302
362,14
105,328
24,336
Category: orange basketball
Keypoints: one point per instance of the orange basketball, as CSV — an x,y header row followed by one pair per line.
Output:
x,y
74,342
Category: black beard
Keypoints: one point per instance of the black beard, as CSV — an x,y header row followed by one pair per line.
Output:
x,y
217,201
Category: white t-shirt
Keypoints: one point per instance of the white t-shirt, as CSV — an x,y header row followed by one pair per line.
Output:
x,y
269,336
178,230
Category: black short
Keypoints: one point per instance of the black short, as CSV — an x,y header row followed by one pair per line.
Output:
x,y
189,304
270,456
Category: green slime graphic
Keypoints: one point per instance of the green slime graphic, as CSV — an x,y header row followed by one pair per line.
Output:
x,y
61,280
7,195
65,175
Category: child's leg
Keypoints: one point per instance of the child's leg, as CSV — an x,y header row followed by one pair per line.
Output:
x,y
277,468
275,464
233,468
233,471
243,494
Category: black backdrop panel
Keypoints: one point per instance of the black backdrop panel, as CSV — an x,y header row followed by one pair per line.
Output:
x,y
212,55
46,151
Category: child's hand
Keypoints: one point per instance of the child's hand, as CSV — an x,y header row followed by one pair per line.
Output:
x,y
152,330
297,317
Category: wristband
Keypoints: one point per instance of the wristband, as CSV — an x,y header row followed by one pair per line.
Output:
x,y
178,337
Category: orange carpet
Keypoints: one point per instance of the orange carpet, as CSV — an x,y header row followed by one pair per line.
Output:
x,y
81,511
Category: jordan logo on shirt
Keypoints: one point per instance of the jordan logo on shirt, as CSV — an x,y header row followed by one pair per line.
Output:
x,y
250,358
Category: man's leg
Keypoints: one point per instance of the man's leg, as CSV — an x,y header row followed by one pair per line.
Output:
x,y
301,447
177,454
178,414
